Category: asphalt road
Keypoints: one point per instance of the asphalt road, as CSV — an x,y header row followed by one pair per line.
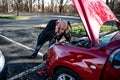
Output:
x,y
34,20
17,57
21,37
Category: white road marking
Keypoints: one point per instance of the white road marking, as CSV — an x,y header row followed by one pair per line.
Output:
x,y
39,53
41,66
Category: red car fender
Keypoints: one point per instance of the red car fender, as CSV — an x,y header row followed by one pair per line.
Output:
x,y
76,63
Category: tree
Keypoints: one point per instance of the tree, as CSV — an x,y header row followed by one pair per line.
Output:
x,y
5,5
26,6
43,5
38,4
112,4
61,4
18,7
30,5
107,1
52,5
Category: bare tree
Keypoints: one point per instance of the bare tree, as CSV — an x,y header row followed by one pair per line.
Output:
x,y
117,6
43,5
18,7
38,4
112,4
5,5
30,5
26,6
107,1
61,4
52,5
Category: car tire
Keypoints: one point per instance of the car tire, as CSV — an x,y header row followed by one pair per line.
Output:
x,y
65,73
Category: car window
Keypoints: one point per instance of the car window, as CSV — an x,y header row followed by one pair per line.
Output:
x,y
117,37
105,40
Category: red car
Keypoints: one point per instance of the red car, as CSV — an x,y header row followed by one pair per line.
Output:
x,y
99,56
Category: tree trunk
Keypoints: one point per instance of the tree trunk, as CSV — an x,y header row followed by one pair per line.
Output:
x,y
38,4
5,5
52,4
43,5
18,7
61,6
112,4
107,1
30,5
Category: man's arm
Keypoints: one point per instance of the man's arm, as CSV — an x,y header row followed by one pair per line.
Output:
x,y
67,36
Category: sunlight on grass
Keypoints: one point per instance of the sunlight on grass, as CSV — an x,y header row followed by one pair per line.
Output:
x,y
13,17
8,17
79,29
105,28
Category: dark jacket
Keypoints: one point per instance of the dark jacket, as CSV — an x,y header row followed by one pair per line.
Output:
x,y
48,33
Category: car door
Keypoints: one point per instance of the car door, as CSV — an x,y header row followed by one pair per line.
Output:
x,y
111,69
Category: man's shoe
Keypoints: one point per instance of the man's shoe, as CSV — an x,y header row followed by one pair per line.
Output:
x,y
33,56
41,73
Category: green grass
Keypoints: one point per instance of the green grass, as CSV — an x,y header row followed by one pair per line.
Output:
x,y
8,17
107,28
79,29
12,17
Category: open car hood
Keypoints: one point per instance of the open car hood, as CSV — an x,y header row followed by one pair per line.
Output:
x,y
94,13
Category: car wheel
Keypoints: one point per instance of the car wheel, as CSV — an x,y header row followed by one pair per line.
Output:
x,y
65,74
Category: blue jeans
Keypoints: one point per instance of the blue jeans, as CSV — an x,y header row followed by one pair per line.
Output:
x,y
37,48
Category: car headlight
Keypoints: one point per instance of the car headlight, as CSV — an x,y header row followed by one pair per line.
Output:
x,y
2,61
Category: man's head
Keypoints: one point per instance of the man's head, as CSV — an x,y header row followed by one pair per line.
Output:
x,y
62,27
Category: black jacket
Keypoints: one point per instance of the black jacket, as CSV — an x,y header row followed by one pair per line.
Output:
x,y
48,33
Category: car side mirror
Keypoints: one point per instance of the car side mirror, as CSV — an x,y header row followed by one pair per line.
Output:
x,y
115,59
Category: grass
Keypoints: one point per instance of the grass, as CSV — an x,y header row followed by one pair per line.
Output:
x,y
12,17
79,29
8,17
107,28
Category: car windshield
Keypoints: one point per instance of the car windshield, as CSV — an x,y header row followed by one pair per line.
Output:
x,y
107,33
105,40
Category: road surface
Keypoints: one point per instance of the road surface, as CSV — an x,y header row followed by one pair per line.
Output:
x,y
17,41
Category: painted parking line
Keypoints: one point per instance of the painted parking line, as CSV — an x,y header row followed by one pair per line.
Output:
x,y
41,66
26,72
39,53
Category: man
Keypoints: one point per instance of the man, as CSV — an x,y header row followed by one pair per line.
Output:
x,y
53,32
